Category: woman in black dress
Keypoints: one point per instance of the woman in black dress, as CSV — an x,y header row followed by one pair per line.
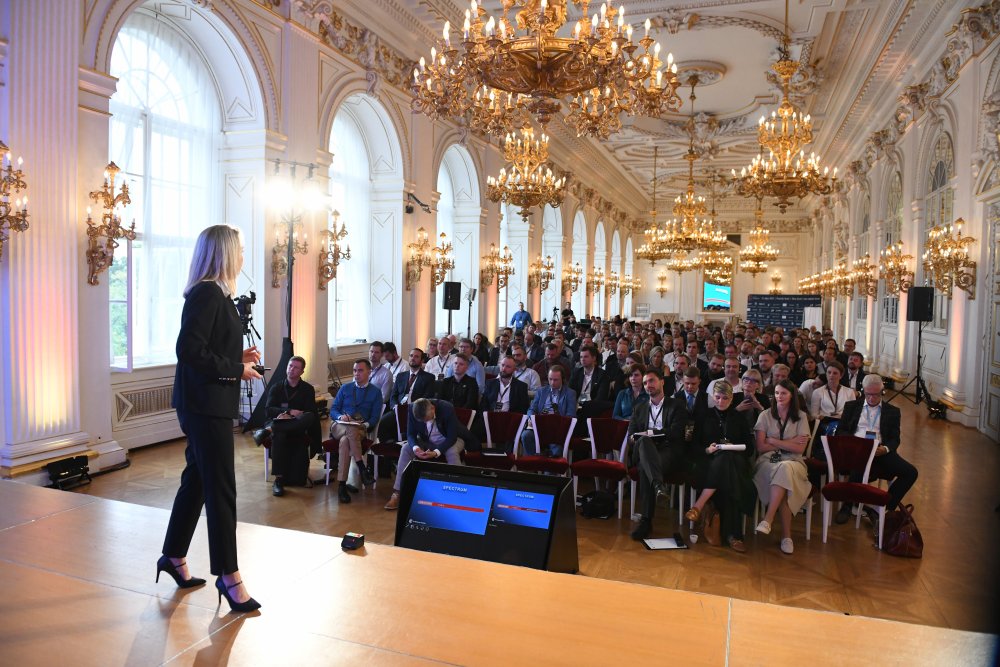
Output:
x,y
724,476
211,362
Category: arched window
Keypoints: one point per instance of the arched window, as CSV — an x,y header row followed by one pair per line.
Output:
x,y
893,229
349,317
600,262
865,223
578,299
552,244
164,130
938,210
629,271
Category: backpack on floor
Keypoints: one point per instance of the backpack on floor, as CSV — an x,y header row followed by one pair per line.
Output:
x,y
597,505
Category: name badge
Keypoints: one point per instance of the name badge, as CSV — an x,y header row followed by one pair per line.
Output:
x,y
870,435
498,407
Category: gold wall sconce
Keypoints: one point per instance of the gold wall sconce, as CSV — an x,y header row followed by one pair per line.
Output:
x,y
541,273
279,252
330,252
946,259
101,255
572,275
423,255
893,266
13,215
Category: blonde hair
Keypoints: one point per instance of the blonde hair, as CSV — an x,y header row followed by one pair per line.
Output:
x,y
216,258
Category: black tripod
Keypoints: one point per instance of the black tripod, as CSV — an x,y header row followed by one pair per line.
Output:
x,y
244,308
921,392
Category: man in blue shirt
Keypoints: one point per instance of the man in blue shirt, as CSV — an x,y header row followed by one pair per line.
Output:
x,y
521,318
556,398
355,410
476,370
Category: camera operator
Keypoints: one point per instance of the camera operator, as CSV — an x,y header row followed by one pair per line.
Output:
x,y
291,406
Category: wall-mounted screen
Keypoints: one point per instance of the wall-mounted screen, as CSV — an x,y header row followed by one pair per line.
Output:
x,y
717,297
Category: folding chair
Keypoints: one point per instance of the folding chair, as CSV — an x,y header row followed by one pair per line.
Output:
x,y
548,429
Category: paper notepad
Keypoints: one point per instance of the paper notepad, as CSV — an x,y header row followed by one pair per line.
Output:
x,y
675,542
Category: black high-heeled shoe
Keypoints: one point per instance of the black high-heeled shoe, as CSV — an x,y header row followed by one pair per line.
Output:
x,y
249,605
164,564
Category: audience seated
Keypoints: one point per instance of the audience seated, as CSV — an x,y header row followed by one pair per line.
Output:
x,y
553,398
381,375
291,407
459,389
590,382
355,411
439,365
505,393
629,396
432,433
412,383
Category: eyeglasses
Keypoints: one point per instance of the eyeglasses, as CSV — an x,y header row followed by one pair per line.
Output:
x,y
750,380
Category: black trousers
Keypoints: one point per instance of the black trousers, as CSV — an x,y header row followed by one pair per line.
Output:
x,y
289,442
387,426
657,458
209,479
901,475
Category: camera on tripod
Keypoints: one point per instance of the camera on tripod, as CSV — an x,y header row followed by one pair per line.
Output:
x,y
244,307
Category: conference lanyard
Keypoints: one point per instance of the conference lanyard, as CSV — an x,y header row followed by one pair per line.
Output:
x,y
503,392
722,424
781,427
587,382
517,376
834,398
878,415
654,417
554,398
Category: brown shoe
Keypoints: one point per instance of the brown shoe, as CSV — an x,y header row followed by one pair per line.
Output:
x,y
393,503
693,514
737,545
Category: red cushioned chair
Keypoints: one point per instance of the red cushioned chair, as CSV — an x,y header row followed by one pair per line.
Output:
x,y
607,437
330,446
680,480
465,415
501,427
848,452
548,429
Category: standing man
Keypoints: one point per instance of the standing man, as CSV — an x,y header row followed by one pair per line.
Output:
x,y
381,376
355,410
521,318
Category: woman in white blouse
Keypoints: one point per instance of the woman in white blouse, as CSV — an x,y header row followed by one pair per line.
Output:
x,y
828,400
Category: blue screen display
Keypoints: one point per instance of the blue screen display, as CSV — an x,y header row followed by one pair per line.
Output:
x,y
718,297
523,508
460,507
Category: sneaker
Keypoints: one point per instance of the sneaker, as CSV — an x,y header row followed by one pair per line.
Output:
x,y
642,530
786,546
843,515
763,527
393,503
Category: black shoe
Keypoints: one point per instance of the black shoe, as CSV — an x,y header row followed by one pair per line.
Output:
x,y
662,490
367,478
871,515
352,488
343,495
642,530
249,605
844,515
164,564
278,489
260,435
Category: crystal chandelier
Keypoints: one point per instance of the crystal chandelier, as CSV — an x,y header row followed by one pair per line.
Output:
x,y
506,70
717,266
530,182
653,249
893,266
682,264
786,172
755,255
946,260
775,283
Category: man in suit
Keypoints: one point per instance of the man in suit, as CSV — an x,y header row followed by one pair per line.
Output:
x,y
533,347
460,389
505,393
614,367
432,433
552,358
381,375
694,398
590,383
500,350
291,407
553,398
855,375
658,454
356,409
410,385
871,417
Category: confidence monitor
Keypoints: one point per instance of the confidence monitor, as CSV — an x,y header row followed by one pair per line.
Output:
x,y
920,304
502,516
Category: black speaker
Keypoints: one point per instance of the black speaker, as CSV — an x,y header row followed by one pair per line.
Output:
x,y
452,296
920,304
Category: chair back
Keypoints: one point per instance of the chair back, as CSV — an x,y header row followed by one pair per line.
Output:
x,y
504,427
848,452
553,428
402,419
606,435
465,415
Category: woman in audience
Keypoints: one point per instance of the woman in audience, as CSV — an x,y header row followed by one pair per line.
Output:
x,y
827,403
631,395
792,361
812,349
482,348
751,401
799,346
809,379
724,477
656,359
780,473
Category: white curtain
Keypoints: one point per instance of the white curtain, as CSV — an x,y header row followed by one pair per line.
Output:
x,y
163,131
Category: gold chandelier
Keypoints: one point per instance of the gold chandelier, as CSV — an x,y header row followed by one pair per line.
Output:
x,y
786,172
946,260
497,264
755,256
653,249
688,232
837,281
893,266
572,276
530,182
11,182
717,266
541,273
438,258
506,71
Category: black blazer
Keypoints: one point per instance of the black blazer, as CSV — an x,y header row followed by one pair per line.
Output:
x,y
700,402
519,401
423,387
464,394
716,424
209,354
599,383
846,381
673,420
888,422
281,397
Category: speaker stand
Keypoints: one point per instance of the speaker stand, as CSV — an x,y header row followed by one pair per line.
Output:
x,y
921,392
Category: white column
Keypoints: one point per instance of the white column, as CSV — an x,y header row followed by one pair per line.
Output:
x,y
39,275
519,238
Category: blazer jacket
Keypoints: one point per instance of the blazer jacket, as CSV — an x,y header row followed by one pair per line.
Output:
x,y
846,379
423,387
599,383
209,354
888,422
543,402
445,422
518,396
673,419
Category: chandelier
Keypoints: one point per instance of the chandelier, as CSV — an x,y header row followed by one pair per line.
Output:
x,y
688,232
893,266
11,182
786,172
775,283
330,252
505,70
572,276
717,266
653,249
755,256
541,273
946,260
529,182
837,281
682,265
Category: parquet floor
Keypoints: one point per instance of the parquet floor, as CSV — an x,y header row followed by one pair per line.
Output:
x,y
955,585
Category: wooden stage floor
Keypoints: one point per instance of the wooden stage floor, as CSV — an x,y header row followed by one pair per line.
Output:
x,y
77,579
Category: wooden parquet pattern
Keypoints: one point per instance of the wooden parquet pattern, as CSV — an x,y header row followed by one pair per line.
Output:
x,y
955,585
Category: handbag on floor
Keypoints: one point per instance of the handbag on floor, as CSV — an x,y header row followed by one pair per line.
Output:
x,y
902,537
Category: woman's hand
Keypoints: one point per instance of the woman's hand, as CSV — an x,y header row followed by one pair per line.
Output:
x,y
251,355
248,372
711,449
